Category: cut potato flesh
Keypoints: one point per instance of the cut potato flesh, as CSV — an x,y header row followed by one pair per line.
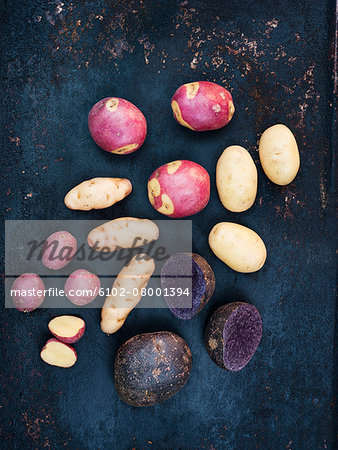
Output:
x,y
58,354
66,326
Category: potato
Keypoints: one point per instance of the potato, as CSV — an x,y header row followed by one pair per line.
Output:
x,y
236,179
117,125
279,155
98,193
238,247
179,189
126,292
58,250
57,353
125,232
187,271
28,292
82,287
68,329
202,106
151,367
233,334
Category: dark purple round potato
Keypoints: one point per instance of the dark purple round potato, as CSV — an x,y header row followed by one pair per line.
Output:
x,y
233,334
151,367
187,272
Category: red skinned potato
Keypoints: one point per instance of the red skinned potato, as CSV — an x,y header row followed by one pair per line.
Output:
x,y
68,329
58,250
202,106
117,125
82,287
57,353
179,189
27,292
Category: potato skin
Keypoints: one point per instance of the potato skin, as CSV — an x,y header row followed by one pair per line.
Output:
x,y
85,281
122,233
27,282
179,188
65,249
202,106
213,338
236,179
174,274
209,277
69,356
151,367
279,155
67,339
98,193
128,286
232,335
117,125
237,246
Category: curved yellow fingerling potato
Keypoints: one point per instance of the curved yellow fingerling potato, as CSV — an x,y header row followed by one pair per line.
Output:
x,y
237,246
279,155
236,179
126,292
125,232
98,193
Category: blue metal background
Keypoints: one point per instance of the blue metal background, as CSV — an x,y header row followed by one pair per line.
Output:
x,y
276,58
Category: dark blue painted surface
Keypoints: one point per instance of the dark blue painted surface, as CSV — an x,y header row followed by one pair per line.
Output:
x,y
276,58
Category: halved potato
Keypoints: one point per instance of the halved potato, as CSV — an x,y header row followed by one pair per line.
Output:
x,y
57,353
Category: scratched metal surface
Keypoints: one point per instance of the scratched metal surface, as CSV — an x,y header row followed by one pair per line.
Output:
x,y
58,59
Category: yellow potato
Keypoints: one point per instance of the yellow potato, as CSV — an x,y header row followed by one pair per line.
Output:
x,y
125,232
98,193
236,179
237,246
279,155
126,292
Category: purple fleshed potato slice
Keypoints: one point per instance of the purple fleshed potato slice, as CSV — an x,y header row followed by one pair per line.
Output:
x,y
187,272
233,334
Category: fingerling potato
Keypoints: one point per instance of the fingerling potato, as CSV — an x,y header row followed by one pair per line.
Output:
x,y
98,193
125,232
127,289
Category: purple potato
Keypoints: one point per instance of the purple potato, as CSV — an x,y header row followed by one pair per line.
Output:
x,y
233,334
187,271
151,367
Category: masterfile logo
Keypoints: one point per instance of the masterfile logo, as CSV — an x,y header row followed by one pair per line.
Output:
x,y
65,263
